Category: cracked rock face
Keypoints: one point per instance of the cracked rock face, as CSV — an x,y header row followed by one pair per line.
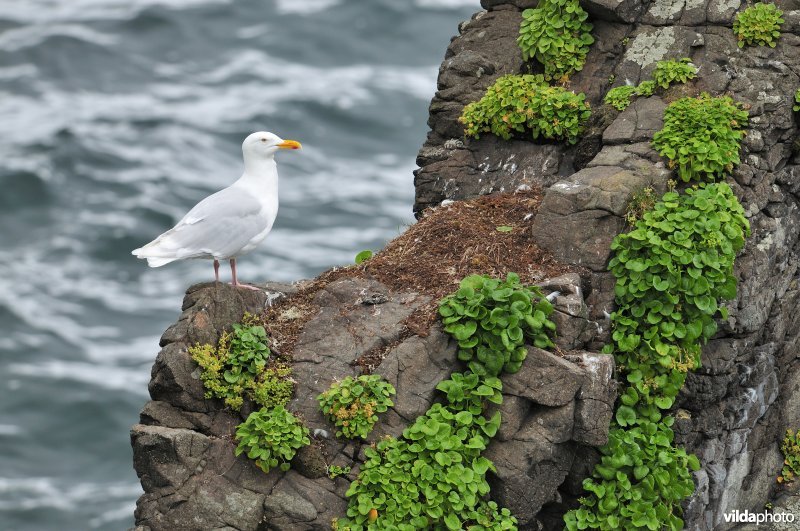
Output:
x,y
184,445
736,408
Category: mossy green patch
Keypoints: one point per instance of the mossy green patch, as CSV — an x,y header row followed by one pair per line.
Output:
x,y
239,367
523,105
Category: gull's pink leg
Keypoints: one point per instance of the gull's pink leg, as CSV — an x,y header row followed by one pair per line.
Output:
x,y
233,272
235,282
216,269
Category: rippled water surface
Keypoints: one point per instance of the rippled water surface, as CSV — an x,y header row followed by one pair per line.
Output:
x,y
117,116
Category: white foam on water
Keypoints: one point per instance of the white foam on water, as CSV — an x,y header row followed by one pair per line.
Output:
x,y
142,349
44,11
104,376
8,430
54,493
448,4
122,511
13,40
305,7
197,102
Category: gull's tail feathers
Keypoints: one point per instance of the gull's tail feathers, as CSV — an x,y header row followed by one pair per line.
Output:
x,y
159,252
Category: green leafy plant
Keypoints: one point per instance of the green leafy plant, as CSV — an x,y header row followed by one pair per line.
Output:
x,y
556,33
434,477
490,319
646,88
363,256
639,483
525,106
759,24
620,97
334,471
791,456
796,106
354,403
271,437
701,136
238,368
668,72
671,271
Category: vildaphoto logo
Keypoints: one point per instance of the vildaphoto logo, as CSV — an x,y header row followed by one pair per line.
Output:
x,y
746,517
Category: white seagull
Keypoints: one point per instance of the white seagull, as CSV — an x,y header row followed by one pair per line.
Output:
x,y
231,222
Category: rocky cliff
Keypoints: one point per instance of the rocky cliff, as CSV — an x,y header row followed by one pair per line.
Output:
x,y
736,408
732,412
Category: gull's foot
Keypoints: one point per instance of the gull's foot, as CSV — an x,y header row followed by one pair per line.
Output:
x,y
246,286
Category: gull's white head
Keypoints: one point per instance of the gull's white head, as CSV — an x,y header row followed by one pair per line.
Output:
x,y
264,145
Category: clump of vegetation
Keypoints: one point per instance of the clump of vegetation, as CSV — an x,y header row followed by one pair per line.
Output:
x,y
701,136
646,88
271,437
639,483
434,477
759,24
668,72
557,34
354,403
490,319
524,105
796,106
620,97
671,272
238,368
791,456
641,201
334,471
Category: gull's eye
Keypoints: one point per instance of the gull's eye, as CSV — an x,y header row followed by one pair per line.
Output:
x,y
263,139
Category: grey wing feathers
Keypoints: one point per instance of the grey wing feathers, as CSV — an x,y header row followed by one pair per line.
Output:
x,y
219,226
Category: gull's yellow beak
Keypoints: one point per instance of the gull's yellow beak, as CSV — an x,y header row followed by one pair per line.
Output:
x,y
290,144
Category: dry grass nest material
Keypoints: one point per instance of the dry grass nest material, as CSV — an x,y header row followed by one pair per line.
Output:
x,y
489,235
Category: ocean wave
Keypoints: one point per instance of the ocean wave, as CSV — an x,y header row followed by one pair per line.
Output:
x,y
25,494
17,39
201,104
305,7
448,4
45,11
9,430
112,377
